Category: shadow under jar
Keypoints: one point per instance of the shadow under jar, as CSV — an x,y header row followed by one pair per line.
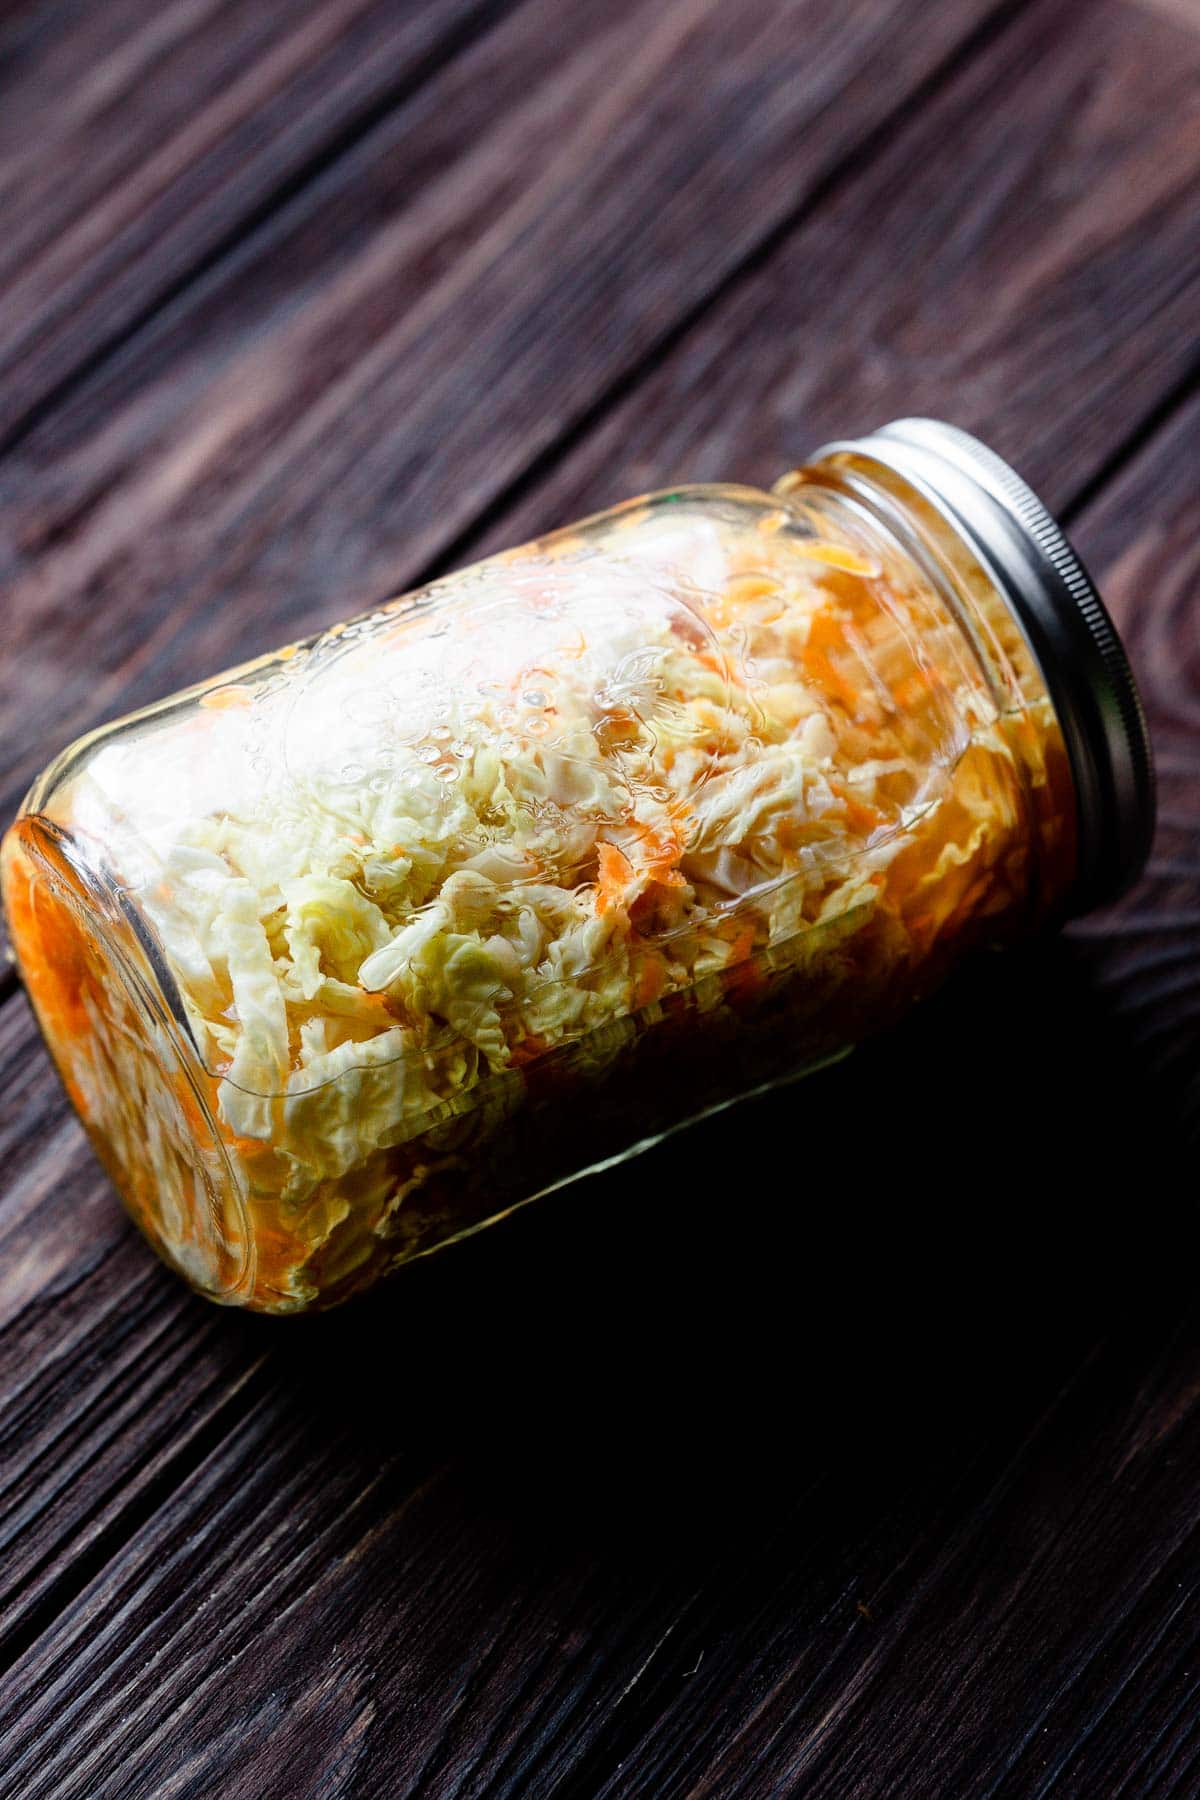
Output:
x,y
348,952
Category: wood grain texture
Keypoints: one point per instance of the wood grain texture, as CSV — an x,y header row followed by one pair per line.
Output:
x,y
598,1504
1025,263
135,142
97,1347
1147,953
878,1477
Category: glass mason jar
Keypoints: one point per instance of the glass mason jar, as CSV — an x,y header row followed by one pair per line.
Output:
x,y
652,812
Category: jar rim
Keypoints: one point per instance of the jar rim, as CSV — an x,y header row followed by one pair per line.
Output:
x,y
132,959
1068,629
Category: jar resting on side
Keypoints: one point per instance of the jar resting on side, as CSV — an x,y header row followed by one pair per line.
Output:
x,y
657,810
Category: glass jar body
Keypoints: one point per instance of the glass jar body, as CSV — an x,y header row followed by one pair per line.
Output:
x,y
351,951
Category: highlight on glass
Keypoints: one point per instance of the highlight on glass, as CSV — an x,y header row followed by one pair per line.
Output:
x,y
346,953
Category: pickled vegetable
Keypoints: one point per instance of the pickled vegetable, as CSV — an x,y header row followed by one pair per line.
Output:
x,y
719,775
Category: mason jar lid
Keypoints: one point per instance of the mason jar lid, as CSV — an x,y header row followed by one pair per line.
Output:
x,y
1065,623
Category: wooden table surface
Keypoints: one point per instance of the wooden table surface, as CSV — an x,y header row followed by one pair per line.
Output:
x,y
850,1447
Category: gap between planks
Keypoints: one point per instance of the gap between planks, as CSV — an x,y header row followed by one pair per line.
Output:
x,y
1139,435
459,38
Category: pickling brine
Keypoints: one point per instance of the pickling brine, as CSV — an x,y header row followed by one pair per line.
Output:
x,y
651,812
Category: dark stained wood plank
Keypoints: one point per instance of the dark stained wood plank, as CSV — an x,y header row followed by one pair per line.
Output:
x,y
1027,268
293,438
565,1536
135,141
1146,953
97,1345
509,1528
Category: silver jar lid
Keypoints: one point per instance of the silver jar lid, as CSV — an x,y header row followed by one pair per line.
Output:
x,y
1074,641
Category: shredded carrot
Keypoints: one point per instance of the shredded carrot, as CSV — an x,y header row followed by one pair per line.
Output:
x,y
860,816
835,556
714,663
381,1003
819,665
743,979
615,875
222,698
916,689
658,854
741,945
827,631
744,588
246,1146
651,979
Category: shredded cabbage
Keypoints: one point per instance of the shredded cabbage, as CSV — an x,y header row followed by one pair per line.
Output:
x,y
516,814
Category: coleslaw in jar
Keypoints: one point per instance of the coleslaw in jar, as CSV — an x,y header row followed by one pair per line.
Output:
x,y
657,810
